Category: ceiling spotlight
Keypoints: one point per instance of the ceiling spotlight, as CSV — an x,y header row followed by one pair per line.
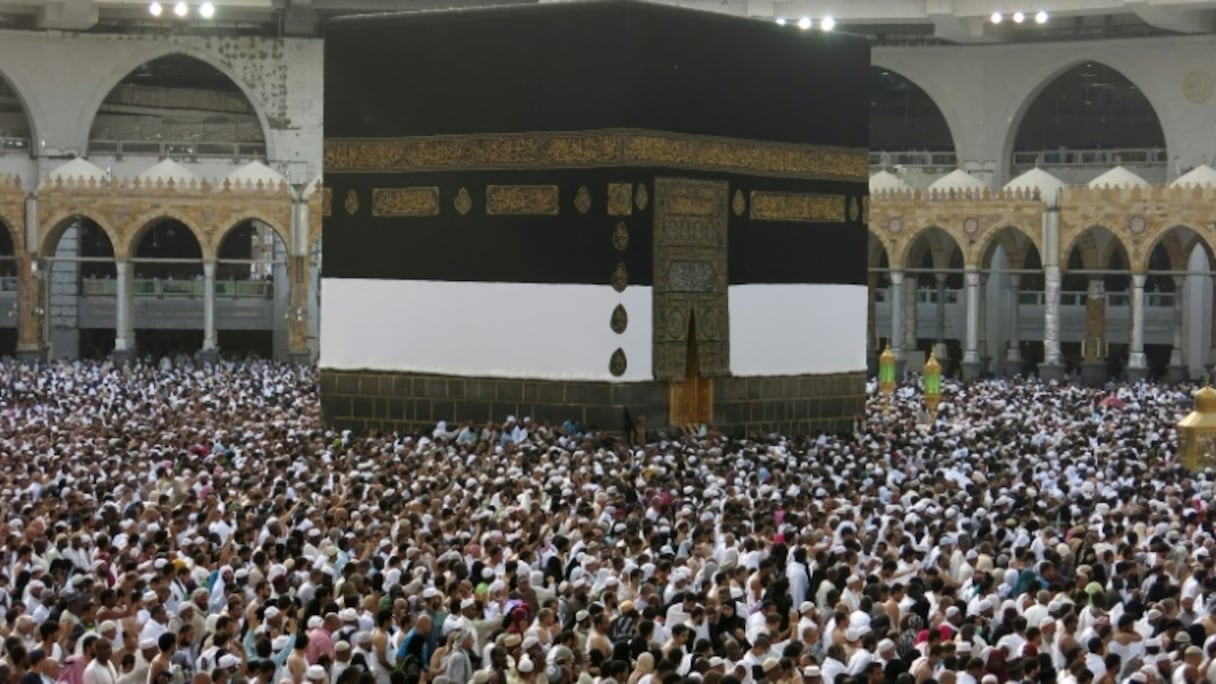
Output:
x,y
1040,17
181,9
206,10
781,21
804,23
827,24
155,9
1018,17
997,17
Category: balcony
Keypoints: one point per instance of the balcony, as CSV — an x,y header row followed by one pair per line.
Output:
x,y
177,304
1158,315
178,150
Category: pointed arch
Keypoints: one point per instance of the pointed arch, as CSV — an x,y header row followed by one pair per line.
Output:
x,y
1178,241
1109,82
149,221
1017,242
55,225
903,116
1096,245
876,250
178,64
211,249
16,120
937,242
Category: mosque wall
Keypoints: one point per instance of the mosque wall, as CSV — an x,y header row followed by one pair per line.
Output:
x,y
984,90
282,77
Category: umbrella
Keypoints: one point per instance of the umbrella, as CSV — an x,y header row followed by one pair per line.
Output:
x,y
1113,402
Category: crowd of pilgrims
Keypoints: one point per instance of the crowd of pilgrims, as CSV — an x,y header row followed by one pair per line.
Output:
x,y
171,524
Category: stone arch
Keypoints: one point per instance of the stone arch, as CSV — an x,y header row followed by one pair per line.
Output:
x,y
1178,241
149,221
1096,245
937,241
212,248
13,227
1049,77
55,225
119,71
884,82
876,250
1016,240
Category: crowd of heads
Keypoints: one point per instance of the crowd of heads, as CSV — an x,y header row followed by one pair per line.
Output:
x,y
179,524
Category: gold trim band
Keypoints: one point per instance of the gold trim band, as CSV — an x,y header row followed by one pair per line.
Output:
x,y
789,206
522,200
412,201
590,149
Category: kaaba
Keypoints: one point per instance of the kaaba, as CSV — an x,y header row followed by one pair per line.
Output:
x,y
593,212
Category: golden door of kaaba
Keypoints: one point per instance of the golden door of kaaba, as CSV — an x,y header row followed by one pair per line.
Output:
x,y
692,331
691,400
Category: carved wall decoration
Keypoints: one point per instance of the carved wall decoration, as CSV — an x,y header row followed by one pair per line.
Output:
x,y
618,363
352,202
582,200
619,320
522,200
463,202
123,209
641,198
581,149
620,199
412,201
620,237
620,278
1197,87
690,234
1136,225
739,203
789,206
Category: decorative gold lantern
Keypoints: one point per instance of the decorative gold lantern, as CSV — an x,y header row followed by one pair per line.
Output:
x,y
886,371
1197,432
931,383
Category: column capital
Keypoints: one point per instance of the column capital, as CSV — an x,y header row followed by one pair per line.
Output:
x,y
972,278
209,268
896,276
1015,280
1138,280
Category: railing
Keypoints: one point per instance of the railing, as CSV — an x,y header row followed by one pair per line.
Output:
x,y
189,151
149,287
1156,300
1114,299
10,145
946,160
1113,157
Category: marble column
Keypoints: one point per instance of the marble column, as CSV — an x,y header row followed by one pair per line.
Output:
x,y
895,298
210,352
1013,356
971,352
1137,366
911,311
1052,367
1177,371
982,346
1093,363
940,347
872,350
124,327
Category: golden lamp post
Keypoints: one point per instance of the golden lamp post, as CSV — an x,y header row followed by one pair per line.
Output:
x,y
886,371
931,383
1197,432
